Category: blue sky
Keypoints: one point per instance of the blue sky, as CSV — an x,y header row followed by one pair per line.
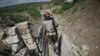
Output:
x,y
4,3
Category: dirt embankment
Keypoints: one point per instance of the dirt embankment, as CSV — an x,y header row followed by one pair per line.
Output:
x,y
82,24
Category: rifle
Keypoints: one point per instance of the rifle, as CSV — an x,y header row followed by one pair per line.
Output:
x,y
55,27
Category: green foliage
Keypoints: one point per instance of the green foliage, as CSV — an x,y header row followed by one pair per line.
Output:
x,y
17,18
70,19
65,6
34,12
57,11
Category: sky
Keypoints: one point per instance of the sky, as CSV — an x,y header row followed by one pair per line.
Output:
x,y
4,3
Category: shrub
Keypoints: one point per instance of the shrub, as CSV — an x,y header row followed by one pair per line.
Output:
x,y
30,9
66,6
57,11
17,18
34,12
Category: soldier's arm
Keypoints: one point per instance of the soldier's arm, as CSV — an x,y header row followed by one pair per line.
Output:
x,y
56,23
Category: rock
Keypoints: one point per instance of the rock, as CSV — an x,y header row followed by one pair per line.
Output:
x,y
24,30
23,25
12,31
12,39
4,41
23,52
12,36
97,46
32,46
69,1
85,49
16,47
27,36
28,40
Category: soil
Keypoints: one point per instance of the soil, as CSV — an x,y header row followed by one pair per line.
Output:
x,y
83,27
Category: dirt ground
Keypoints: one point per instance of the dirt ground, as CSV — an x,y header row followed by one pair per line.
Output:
x,y
83,25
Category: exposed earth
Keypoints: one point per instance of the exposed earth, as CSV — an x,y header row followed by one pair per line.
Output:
x,y
83,26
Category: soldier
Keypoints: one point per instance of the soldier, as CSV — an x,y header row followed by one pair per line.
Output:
x,y
50,25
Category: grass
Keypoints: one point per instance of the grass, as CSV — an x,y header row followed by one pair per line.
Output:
x,y
17,18
57,11
65,6
69,19
32,10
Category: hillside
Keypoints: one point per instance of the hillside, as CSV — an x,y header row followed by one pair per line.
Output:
x,y
79,22
82,24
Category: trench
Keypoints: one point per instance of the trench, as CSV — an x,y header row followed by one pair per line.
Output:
x,y
67,46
